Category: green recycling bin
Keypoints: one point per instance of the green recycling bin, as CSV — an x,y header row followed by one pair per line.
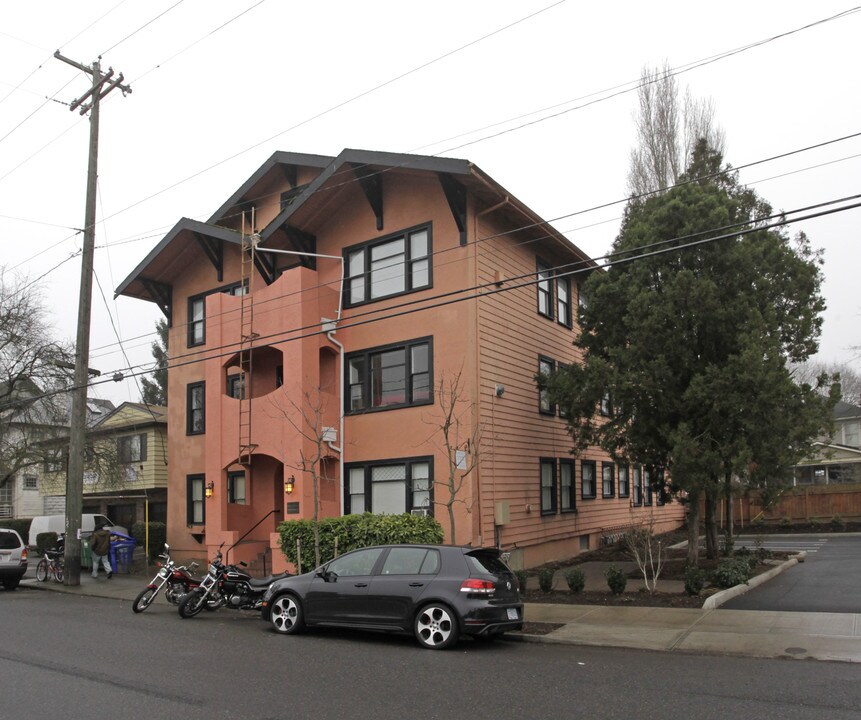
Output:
x,y
86,554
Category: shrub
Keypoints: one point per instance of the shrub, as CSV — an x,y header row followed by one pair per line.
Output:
x,y
695,578
616,579
545,579
838,524
45,541
157,537
522,578
576,580
21,526
785,522
731,571
355,531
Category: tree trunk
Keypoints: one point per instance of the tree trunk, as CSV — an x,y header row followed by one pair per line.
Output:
x,y
693,528
729,533
711,526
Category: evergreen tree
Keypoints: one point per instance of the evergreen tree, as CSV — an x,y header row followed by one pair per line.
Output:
x,y
155,391
691,347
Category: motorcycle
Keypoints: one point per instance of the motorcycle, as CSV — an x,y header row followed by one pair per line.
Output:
x,y
175,579
226,586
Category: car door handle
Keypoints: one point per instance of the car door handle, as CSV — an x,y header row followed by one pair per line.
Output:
x,y
361,584
416,584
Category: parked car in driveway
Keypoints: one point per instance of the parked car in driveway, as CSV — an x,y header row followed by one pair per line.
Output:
x,y
13,558
435,592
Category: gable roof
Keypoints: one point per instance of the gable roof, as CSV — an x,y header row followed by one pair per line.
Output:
x,y
132,414
364,166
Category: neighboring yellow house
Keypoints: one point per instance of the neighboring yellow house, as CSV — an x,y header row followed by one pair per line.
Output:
x,y
125,475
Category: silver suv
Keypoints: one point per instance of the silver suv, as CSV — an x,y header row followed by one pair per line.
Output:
x,y
13,558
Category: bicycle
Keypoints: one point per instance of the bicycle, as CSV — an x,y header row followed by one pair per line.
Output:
x,y
50,566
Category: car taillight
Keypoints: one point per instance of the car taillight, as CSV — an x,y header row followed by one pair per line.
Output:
x,y
24,555
481,587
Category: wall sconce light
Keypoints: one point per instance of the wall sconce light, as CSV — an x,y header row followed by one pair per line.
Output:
x,y
289,483
209,489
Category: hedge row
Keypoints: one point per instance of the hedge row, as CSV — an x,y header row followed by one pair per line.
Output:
x,y
355,531
157,537
22,526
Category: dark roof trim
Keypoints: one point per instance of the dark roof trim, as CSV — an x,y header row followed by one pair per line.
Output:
x,y
278,158
362,158
215,232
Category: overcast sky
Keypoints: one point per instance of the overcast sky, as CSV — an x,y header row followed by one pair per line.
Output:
x,y
536,93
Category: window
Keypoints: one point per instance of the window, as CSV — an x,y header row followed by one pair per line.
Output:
x,y
31,482
548,486
394,376
196,321
195,421
567,501
587,479
411,561
197,311
236,487
852,434
624,484
582,298
195,507
637,477
647,487
561,368
659,488
390,487
131,448
545,367
236,386
55,461
563,301
608,480
545,289
390,266
354,564
606,405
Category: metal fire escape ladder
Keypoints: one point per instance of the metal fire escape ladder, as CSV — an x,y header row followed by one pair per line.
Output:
x,y
247,337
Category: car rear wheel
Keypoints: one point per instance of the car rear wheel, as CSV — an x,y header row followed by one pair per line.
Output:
x,y
436,627
11,583
286,615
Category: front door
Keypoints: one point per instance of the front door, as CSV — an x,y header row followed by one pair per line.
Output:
x,y
341,593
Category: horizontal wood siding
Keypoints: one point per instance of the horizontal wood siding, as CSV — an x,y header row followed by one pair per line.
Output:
x,y
515,435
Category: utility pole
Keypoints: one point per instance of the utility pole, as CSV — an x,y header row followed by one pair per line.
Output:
x,y
102,84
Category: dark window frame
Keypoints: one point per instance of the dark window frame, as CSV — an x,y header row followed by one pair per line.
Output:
x,y
637,485
543,399
572,489
647,487
201,297
232,475
565,319
612,468
627,483
190,481
544,287
124,455
594,494
554,486
409,377
190,411
409,264
236,386
409,490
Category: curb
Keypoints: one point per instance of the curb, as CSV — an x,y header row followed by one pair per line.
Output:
x,y
718,599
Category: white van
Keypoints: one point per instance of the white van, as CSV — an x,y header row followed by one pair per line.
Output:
x,y
57,524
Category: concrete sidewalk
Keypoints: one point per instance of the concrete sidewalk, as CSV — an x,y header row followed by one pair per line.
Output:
x,y
820,636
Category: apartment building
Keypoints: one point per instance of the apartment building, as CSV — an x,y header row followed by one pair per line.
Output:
x,y
362,333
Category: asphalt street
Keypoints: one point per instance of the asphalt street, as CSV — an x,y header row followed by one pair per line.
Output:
x,y
76,656
829,580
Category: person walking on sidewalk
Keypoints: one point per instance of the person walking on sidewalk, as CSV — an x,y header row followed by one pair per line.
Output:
x,y
100,545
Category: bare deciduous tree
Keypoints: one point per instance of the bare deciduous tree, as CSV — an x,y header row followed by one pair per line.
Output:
x,y
850,379
32,402
459,441
668,128
307,420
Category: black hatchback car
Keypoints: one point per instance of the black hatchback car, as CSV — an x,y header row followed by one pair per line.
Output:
x,y
436,592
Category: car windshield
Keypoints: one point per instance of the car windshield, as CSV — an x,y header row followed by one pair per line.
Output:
x,y
487,563
9,541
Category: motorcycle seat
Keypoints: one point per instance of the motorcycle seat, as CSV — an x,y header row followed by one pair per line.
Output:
x,y
268,580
